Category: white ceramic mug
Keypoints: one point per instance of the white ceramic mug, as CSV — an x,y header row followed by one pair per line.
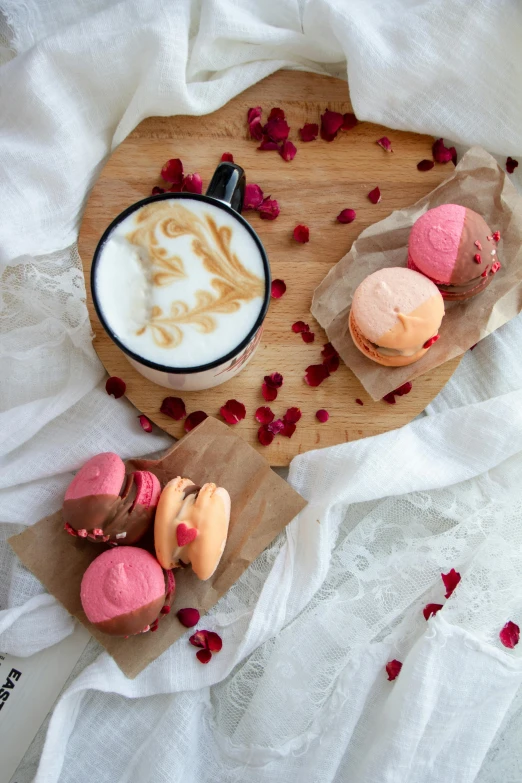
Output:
x,y
226,191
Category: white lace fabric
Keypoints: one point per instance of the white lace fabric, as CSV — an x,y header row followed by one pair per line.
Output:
x,y
299,690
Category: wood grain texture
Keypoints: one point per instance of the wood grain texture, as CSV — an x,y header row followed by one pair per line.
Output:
x,y
322,179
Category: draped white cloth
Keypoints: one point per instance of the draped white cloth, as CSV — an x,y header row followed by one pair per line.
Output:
x,y
298,691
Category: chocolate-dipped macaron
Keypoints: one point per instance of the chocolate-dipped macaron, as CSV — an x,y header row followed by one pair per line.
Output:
x,y
103,504
456,249
395,316
124,591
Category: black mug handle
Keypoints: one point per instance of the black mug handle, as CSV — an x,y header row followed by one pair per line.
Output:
x,y
228,185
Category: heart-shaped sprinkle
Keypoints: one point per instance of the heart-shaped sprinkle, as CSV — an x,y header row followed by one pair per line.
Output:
x,y
185,534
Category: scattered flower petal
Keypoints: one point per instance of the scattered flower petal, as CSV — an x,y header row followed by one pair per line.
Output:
x,y
374,195
115,386
308,337
358,401
233,411
193,419
275,427
256,129
346,216
299,327
172,171
276,114
188,617
510,634
253,196
309,131
322,416
315,374
227,156
275,380
349,121
267,145
264,415
385,143
269,392
203,656
288,430
400,392
328,351
214,641
431,609
277,130
451,580
432,340
442,154
174,407
157,191
511,165
268,209
331,122
331,364
254,114
193,183
199,639
145,423
264,436
425,165
292,416
389,398
278,288
288,151
393,668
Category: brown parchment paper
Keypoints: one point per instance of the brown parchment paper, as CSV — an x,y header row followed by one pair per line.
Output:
x,y
477,183
262,505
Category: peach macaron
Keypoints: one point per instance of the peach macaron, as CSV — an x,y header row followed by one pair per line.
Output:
x,y
395,316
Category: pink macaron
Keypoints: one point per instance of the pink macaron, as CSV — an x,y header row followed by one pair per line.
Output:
x,y
125,590
103,503
456,249
395,316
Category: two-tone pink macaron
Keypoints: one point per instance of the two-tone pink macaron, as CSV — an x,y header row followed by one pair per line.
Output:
x,y
125,591
103,503
456,249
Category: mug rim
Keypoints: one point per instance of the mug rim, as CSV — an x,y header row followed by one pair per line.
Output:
x,y
174,197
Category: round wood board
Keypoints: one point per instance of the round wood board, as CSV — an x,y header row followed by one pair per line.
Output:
x,y
312,189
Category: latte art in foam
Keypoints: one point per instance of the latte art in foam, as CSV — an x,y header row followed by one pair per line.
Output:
x,y
180,282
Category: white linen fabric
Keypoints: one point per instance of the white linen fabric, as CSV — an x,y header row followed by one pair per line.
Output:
x,y
298,691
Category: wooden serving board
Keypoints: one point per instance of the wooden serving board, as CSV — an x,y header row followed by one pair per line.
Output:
x,y
323,179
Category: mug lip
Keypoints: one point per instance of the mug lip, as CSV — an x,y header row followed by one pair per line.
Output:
x,y
174,197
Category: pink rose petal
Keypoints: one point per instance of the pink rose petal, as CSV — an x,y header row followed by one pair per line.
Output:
x,y
233,411
172,171
253,196
276,114
393,668
269,392
288,151
277,130
188,617
275,427
309,131
451,580
264,415
302,234
442,154
193,184
145,423
385,143
374,195
254,113
322,415
346,216
510,634
268,209
278,289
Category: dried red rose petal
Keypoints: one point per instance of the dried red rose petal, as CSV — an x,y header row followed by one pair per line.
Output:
x,y
346,216
442,154
199,639
431,609
227,156
451,580
288,430
214,641
254,113
393,668
278,288
292,416
264,415
275,380
268,209
115,386
511,165
253,196
269,392
233,411
358,401
188,617
256,129
385,143
496,236
276,114
328,351
432,340
145,423
203,656
309,131
300,326
193,183
264,436
349,121
404,389
425,165
308,337
172,171
288,151
322,415
374,195
315,374
276,426
193,419
173,407
332,364
510,634
277,130
389,398
157,191
331,122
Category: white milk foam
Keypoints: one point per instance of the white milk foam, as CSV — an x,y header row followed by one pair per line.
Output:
x,y
141,272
